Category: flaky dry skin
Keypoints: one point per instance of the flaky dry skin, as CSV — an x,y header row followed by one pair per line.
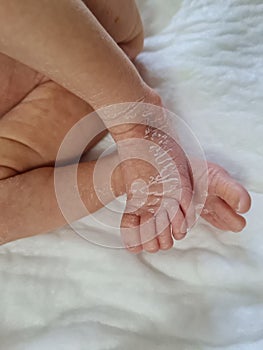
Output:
x,y
30,135
37,113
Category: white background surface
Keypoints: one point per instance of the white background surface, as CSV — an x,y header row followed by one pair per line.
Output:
x,y
59,292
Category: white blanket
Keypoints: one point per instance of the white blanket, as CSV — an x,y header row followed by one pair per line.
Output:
x,y
60,292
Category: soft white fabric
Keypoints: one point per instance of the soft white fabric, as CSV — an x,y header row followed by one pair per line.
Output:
x,y
60,292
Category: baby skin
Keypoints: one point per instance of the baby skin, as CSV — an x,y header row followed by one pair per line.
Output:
x,y
35,116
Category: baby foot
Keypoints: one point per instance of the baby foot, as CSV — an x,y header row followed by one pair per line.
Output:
x,y
226,200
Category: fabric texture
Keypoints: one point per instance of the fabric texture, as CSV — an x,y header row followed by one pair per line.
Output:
x,y
60,292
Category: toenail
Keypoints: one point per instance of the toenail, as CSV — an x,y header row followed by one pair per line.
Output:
x,y
166,247
133,249
152,249
180,235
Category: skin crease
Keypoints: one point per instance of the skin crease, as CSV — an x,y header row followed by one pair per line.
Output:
x,y
34,107
70,46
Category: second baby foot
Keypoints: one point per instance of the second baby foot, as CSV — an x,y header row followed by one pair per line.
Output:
x,y
226,200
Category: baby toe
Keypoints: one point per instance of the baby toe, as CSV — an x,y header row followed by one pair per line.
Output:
x,y
222,216
151,246
164,231
224,186
131,233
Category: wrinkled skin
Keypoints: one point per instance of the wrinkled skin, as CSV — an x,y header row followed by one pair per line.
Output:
x,y
36,114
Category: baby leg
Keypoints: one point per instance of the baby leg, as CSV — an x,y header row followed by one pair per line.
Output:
x,y
30,136
28,201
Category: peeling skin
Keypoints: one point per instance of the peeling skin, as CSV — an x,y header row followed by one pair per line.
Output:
x,y
43,108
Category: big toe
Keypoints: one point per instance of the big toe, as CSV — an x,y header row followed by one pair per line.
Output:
x,y
224,186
